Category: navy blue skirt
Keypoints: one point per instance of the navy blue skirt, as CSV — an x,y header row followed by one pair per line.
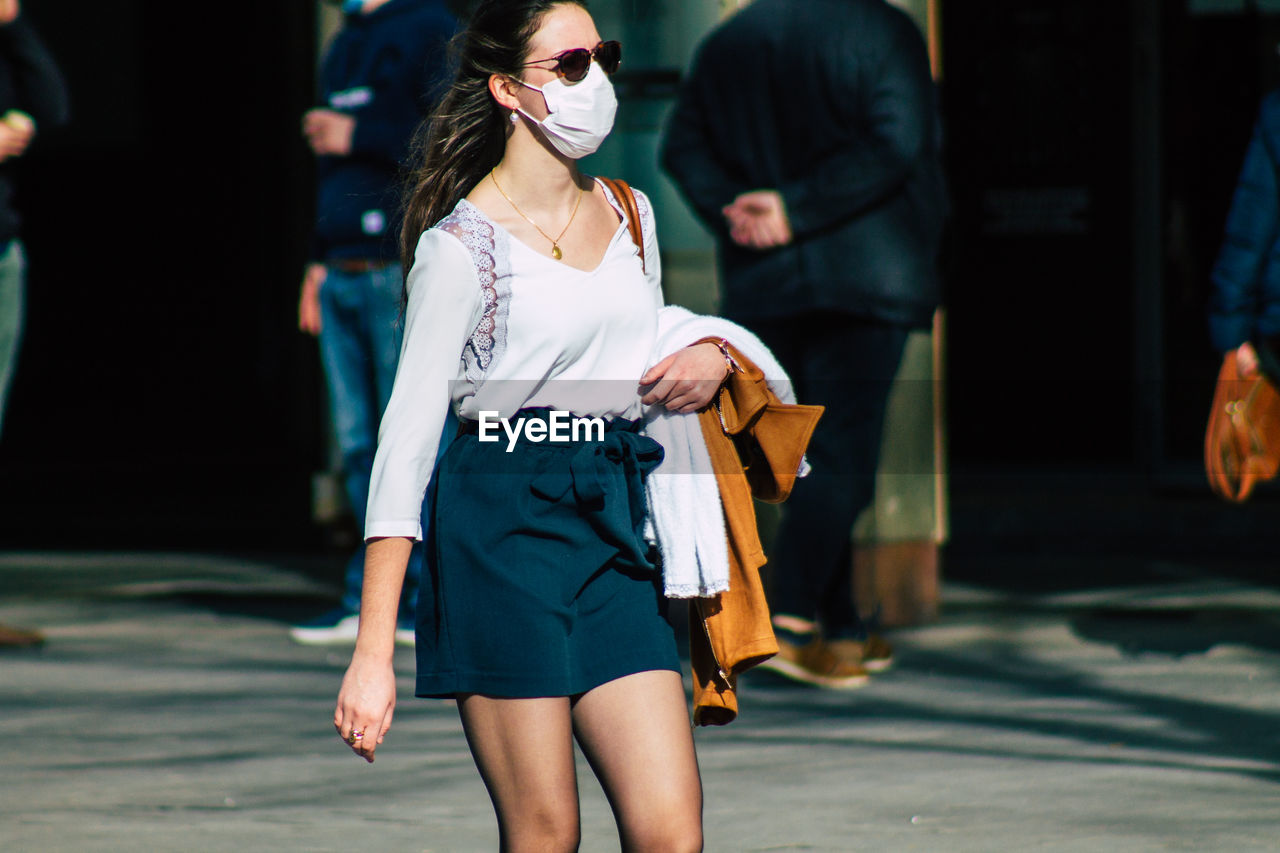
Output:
x,y
538,581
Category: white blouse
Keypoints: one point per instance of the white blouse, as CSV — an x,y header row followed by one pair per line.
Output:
x,y
494,325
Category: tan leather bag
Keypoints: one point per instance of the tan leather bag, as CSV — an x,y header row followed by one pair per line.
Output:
x,y
1242,442
622,192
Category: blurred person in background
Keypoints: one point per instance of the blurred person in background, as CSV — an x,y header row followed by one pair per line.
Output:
x,y
33,98
1244,306
806,138
379,79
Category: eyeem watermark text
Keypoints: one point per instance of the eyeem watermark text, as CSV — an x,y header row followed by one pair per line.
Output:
x,y
557,427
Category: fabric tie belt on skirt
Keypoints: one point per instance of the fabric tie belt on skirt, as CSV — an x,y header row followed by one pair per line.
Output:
x,y
606,478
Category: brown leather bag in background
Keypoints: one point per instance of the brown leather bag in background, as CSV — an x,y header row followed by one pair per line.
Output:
x,y
1242,442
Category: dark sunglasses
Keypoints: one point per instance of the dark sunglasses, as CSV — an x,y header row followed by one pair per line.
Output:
x,y
573,64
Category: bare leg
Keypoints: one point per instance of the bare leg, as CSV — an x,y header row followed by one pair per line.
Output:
x,y
524,750
636,733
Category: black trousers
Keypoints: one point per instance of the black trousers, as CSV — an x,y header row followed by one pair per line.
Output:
x,y
847,364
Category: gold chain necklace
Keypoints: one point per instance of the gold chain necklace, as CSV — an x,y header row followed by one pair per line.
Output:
x,y
555,241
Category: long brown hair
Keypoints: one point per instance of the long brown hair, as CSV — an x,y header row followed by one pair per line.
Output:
x,y
465,135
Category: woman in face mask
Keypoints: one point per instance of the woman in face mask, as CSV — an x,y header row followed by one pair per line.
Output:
x,y
529,307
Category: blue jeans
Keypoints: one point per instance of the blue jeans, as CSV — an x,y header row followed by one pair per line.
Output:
x,y
12,268
360,336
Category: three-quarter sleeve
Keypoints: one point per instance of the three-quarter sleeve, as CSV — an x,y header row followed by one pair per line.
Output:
x,y
444,306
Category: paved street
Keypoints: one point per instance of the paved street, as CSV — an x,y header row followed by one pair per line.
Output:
x,y
169,711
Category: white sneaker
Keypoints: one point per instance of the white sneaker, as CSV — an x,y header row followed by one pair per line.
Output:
x,y
339,627
333,628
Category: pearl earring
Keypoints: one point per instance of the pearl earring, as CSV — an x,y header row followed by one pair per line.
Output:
x,y
514,118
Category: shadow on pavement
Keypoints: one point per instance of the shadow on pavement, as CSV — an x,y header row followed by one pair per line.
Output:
x,y
1029,709
1178,631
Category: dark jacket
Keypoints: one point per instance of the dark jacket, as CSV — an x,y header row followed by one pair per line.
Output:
x,y
385,68
831,103
1245,302
30,82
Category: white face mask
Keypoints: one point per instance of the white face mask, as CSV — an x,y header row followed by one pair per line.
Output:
x,y
579,115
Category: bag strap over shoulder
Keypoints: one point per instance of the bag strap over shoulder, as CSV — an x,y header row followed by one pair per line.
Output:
x,y
622,192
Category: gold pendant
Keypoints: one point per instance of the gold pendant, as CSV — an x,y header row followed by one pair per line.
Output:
x,y
555,252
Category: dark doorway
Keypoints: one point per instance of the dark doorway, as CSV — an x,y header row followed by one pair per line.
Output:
x,y
1036,107
163,395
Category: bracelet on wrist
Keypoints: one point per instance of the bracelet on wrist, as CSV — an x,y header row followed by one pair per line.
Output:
x,y
729,363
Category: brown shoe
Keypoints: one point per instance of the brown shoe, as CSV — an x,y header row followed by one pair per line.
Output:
x,y
815,663
874,654
19,637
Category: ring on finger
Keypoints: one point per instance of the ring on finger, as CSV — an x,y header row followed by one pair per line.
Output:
x,y
355,737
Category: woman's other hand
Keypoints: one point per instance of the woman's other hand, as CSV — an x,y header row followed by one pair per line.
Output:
x,y
685,381
365,705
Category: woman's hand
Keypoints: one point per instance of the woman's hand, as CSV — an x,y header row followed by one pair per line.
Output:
x,y
1246,360
365,705
687,380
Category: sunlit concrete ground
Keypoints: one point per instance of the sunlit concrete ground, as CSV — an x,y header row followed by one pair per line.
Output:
x,y
169,711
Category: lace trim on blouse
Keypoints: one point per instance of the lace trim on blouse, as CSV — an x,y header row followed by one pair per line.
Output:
x,y
489,251
646,216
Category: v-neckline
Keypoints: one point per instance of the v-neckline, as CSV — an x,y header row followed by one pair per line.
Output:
x,y
622,227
